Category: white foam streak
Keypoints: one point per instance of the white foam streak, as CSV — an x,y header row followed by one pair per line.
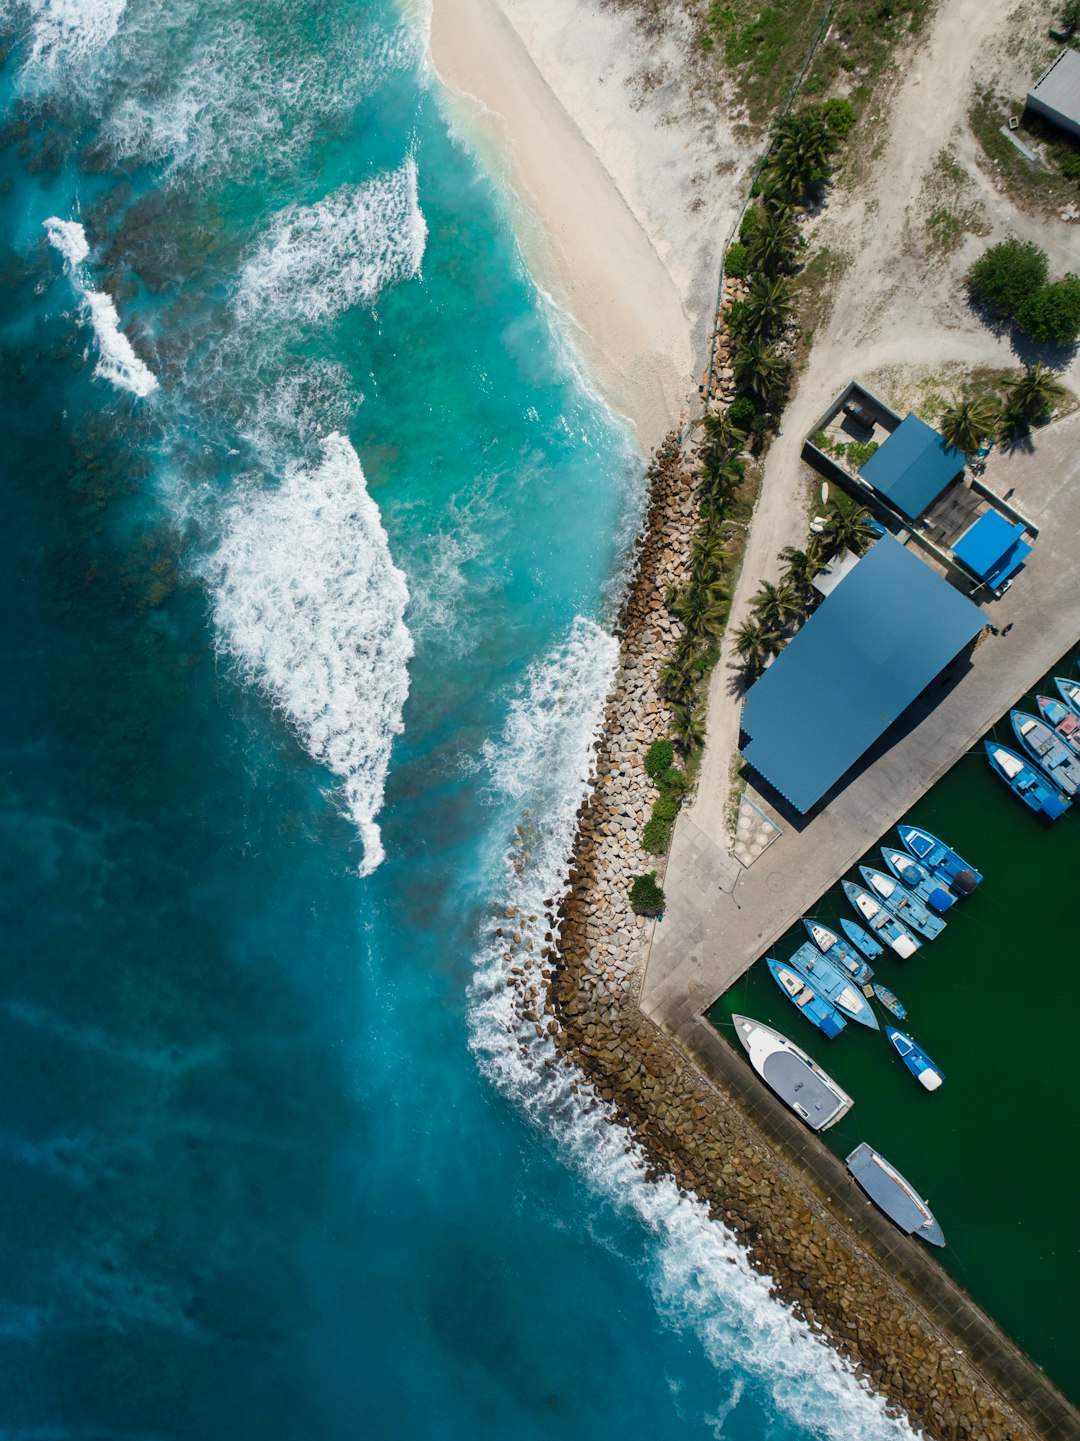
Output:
x,y
68,30
320,260
117,360
308,600
699,1275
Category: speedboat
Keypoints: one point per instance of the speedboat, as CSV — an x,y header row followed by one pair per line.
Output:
x,y
797,1080
1062,719
894,1193
940,859
902,903
800,993
890,1001
837,987
838,951
887,927
1027,781
915,1059
862,939
918,879
1049,751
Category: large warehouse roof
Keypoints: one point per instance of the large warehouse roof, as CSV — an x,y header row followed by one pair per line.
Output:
x,y
912,467
872,646
1057,94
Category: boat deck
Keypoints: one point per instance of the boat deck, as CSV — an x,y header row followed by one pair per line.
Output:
x,y
796,1083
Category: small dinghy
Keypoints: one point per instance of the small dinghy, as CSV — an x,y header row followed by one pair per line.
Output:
x,y
890,1001
915,1059
918,879
887,927
862,939
939,858
902,903
1058,760
838,951
837,987
1027,781
894,1193
815,1008
1062,720
797,1080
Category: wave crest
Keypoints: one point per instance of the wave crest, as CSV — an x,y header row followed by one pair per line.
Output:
x,y
308,601
62,32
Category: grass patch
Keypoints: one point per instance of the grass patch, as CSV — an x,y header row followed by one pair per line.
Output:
x,y
1044,189
812,292
763,45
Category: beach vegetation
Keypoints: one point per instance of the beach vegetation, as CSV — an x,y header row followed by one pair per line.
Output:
x,y
1052,314
673,781
801,155
839,116
800,568
656,836
847,527
757,642
736,261
689,726
1032,396
775,244
768,305
969,424
1007,275
776,604
646,897
659,758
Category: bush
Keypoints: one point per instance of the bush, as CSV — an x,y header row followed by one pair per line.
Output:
x,y
673,782
1008,275
1070,166
665,807
1052,314
659,758
839,115
646,897
736,262
860,451
749,225
656,836
742,412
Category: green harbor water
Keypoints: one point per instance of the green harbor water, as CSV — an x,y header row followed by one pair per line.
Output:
x,y
993,1000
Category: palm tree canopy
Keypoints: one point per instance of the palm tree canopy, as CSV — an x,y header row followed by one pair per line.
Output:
x,y
775,604
768,305
800,566
1033,394
759,370
775,244
848,529
971,423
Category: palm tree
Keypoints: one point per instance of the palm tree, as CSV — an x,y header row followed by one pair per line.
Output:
x,y
676,679
719,483
800,566
756,642
968,425
775,244
847,528
762,373
688,723
723,437
1032,394
775,605
801,153
707,558
768,305
702,609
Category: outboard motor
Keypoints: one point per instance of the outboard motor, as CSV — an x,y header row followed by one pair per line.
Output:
x,y
964,882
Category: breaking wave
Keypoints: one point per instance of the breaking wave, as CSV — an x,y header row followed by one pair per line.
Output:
x,y
117,361
309,603
540,771
320,260
64,31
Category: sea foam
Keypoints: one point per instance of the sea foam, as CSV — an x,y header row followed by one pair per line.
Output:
x,y
308,601
64,31
319,260
117,360
539,771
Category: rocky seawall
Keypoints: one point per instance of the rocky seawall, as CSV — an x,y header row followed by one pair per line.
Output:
x,y
692,1127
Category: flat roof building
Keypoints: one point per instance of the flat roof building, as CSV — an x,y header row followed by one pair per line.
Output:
x,y
912,467
1056,95
875,643
992,549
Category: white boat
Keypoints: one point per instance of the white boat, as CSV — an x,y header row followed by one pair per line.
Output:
x,y
797,1079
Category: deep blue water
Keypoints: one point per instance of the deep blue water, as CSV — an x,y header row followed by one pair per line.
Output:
x,y
310,536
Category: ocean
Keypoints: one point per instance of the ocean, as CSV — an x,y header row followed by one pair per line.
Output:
x,y
313,532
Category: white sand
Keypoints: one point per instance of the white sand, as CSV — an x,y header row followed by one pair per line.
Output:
x,y
621,199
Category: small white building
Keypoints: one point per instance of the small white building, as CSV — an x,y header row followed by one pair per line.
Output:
x,y
1056,95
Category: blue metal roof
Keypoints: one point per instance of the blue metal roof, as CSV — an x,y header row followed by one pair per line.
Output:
x,y
869,649
992,548
912,467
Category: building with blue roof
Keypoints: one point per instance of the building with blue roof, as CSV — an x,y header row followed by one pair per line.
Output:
x,y
993,549
874,644
912,467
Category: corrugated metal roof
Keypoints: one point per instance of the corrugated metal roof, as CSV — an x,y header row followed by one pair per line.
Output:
x,y
860,660
912,467
992,548
1059,88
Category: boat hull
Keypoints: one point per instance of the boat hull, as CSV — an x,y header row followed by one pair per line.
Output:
x,y
903,904
788,1071
1054,758
818,1011
894,1194
928,1075
919,880
838,951
938,858
1026,782
835,985
862,939
881,921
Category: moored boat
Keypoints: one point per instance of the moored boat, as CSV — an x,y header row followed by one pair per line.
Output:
x,y
837,987
815,1008
918,879
890,1001
894,1194
797,1080
1027,781
1069,691
940,859
1048,750
915,1059
861,939
838,951
902,903
1062,720
881,921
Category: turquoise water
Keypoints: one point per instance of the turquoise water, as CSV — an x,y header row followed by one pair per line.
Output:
x,y
311,531
993,1001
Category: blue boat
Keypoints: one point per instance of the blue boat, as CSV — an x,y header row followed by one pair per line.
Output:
x,y
881,921
939,859
814,1007
858,937
1049,751
902,903
1069,691
838,951
1062,719
891,1002
1027,782
837,988
918,879
915,1059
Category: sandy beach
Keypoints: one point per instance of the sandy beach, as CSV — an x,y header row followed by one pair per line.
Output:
x,y
621,190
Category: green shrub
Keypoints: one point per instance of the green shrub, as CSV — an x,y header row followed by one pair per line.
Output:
x,y
646,897
1070,167
860,451
749,225
658,758
673,782
656,836
736,262
742,412
1052,314
839,115
665,807
1008,275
